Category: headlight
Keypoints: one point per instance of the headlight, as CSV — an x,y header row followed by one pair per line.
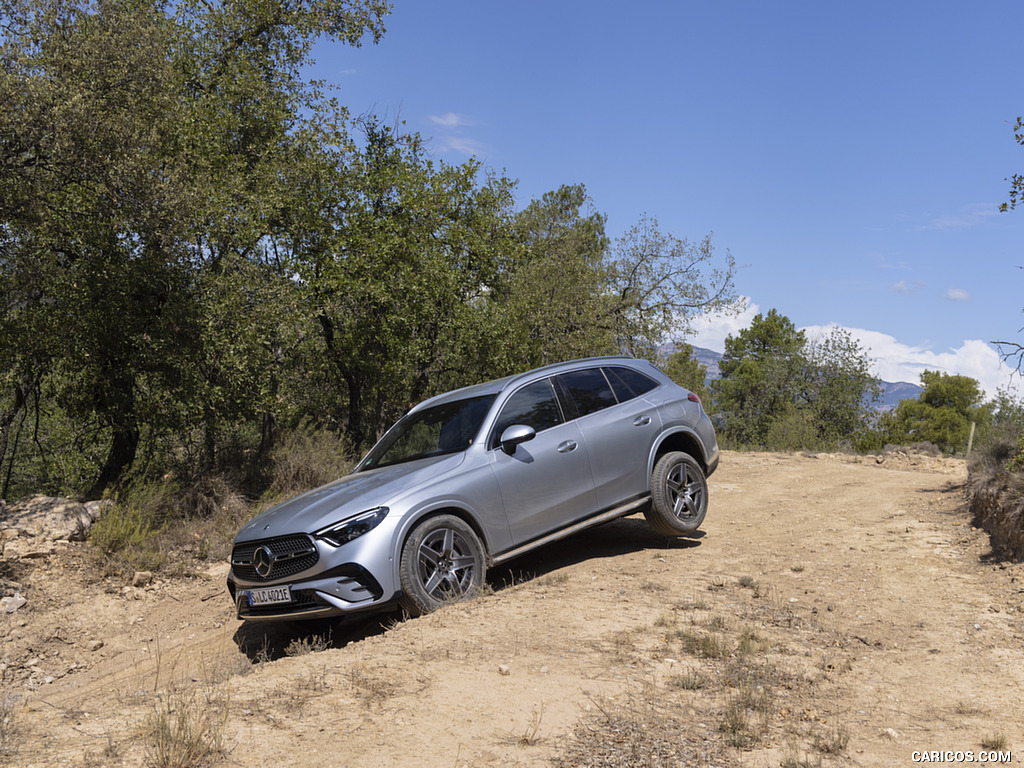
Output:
x,y
353,528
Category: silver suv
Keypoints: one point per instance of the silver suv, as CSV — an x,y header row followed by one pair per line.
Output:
x,y
474,477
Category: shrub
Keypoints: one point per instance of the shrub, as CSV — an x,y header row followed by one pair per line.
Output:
x,y
127,536
305,459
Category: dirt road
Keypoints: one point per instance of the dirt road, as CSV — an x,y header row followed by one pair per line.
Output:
x,y
834,611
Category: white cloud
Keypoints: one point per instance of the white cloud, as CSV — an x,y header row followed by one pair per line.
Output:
x,y
958,294
892,360
449,120
710,331
969,216
458,144
903,287
453,139
896,361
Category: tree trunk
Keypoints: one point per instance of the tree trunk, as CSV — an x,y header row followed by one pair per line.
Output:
x,y
123,446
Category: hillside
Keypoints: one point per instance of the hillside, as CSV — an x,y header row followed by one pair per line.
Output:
x,y
833,611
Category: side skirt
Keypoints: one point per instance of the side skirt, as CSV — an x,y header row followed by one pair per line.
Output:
x,y
582,525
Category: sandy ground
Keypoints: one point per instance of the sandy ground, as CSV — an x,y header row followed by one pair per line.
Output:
x,y
880,627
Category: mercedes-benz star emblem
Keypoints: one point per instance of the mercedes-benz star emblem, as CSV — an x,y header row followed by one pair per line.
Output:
x,y
263,561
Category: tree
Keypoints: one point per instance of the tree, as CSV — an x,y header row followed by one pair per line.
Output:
x,y
550,298
659,283
1017,180
779,390
684,369
838,386
941,414
759,371
395,257
141,145
570,292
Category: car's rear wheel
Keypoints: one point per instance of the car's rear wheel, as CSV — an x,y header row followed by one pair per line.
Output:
x,y
679,495
442,561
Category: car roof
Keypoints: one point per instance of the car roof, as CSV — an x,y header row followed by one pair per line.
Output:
x,y
508,382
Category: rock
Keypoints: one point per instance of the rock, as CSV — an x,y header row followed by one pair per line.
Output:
x,y
95,509
47,517
94,645
142,578
11,604
503,669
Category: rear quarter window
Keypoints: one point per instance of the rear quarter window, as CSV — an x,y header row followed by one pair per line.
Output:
x,y
589,390
629,383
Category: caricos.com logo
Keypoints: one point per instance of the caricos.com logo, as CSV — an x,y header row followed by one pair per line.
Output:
x,y
960,756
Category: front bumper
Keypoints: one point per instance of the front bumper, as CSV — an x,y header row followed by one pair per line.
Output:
x,y
300,570
346,589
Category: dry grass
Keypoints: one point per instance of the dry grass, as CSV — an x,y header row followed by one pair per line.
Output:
x,y
996,500
707,646
832,741
8,723
370,687
300,646
530,736
640,731
995,741
185,730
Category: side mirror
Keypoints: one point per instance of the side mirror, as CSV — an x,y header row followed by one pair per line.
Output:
x,y
514,435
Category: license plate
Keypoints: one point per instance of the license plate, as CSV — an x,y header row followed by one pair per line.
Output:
x,y
270,595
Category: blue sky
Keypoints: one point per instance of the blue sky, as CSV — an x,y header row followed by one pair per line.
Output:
x,y
851,156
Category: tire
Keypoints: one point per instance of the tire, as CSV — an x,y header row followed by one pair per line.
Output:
x,y
679,495
442,561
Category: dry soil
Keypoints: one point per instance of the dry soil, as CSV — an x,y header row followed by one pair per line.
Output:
x,y
848,600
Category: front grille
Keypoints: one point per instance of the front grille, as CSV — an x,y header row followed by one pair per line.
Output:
x,y
290,555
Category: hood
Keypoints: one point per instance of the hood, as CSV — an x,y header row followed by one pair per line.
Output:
x,y
347,497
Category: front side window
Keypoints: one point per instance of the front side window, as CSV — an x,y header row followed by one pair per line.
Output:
x,y
535,405
446,428
589,390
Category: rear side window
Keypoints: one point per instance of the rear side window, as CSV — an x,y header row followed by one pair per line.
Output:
x,y
628,383
589,390
535,405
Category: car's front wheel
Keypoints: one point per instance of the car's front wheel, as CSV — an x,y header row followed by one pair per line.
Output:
x,y
679,495
442,561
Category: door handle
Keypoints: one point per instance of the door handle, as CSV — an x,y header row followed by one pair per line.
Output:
x,y
642,420
567,446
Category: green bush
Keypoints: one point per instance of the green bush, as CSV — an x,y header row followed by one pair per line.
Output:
x,y
127,535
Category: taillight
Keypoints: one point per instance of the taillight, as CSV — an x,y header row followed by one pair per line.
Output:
x,y
693,398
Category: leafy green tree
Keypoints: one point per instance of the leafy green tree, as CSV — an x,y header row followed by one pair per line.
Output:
x,y
1017,180
759,372
778,390
684,369
551,297
395,266
659,283
837,386
941,414
570,292
140,146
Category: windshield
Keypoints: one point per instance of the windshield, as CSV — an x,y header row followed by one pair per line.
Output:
x,y
447,428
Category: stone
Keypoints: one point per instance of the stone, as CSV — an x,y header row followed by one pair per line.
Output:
x,y
49,518
13,603
94,645
142,578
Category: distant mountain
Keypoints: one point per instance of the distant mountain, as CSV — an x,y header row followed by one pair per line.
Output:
x,y
892,392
